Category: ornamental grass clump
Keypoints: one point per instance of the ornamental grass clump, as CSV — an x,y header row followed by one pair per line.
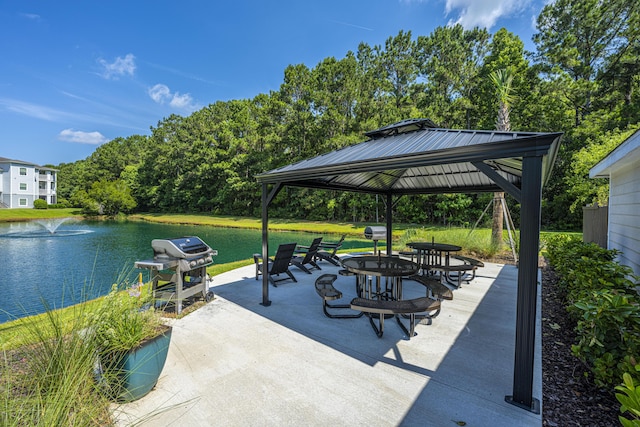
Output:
x,y
124,322
50,381
57,373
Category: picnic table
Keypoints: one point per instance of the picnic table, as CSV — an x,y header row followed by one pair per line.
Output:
x,y
386,301
373,270
433,254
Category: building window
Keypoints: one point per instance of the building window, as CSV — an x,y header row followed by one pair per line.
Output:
x,y
23,171
42,185
23,186
22,202
53,185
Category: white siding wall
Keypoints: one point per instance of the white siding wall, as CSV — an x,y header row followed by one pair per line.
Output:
x,y
624,215
2,190
23,198
6,183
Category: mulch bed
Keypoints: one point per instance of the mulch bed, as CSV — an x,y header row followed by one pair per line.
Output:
x,y
569,398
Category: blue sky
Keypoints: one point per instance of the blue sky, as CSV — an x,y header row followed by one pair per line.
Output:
x,y
75,74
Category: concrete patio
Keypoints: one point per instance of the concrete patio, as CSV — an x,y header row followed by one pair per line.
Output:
x,y
236,362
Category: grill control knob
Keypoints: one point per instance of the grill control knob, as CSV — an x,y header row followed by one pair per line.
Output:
x,y
193,263
201,261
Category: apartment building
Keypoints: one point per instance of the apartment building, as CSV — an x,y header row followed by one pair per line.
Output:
x,y
22,182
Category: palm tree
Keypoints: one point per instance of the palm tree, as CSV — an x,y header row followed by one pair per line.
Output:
x,y
502,80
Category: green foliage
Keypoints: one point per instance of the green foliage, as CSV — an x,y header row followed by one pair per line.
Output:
x,y
608,333
125,320
576,36
585,67
565,250
453,209
40,204
108,198
629,398
582,189
601,296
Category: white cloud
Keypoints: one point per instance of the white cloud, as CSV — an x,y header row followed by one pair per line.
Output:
x,y
181,101
31,110
161,94
37,111
119,67
32,16
482,13
93,138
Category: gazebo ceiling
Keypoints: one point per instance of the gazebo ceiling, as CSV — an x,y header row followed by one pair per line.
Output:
x,y
413,157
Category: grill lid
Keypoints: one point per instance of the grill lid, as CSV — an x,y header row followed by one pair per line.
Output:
x,y
374,232
180,247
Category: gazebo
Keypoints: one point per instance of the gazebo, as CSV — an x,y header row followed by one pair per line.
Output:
x,y
416,157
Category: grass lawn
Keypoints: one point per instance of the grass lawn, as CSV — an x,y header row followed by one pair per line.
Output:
x,y
15,215
275,224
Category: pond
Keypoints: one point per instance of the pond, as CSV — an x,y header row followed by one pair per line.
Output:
x,y
82,259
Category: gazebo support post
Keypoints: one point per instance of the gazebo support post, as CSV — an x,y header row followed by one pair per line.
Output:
x,y
527,286
265,247
389,222
267,198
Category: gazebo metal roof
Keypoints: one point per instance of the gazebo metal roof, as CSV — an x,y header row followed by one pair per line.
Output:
x,y
416,157
426,160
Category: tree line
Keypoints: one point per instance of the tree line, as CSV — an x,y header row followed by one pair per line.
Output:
x,y
582,80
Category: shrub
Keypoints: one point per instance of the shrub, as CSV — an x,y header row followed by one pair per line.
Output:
x,y
62,204
629,398
601,297
608,334
564,252
40,204
591,274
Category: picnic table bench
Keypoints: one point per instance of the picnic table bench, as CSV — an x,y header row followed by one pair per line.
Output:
x,y
383,307
434,286
326,290
455,274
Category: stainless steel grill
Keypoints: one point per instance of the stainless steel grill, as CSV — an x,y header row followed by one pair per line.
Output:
x,y
179,269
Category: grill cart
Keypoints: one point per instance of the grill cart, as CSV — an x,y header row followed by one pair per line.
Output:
x,y
178,269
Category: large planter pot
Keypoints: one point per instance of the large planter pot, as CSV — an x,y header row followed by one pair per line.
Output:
x,y
133,374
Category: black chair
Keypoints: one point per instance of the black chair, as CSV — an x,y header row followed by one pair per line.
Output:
x,y
327,251
278,265
307,255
